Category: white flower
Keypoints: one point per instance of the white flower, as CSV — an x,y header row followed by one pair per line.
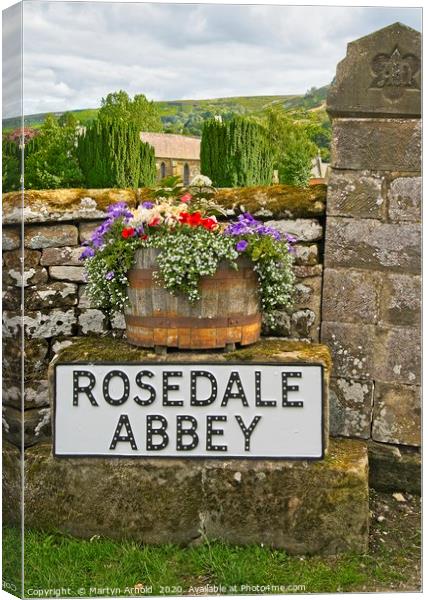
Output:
x,y
201,181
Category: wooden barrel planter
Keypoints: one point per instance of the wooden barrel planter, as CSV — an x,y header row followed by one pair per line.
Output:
x,y
227,313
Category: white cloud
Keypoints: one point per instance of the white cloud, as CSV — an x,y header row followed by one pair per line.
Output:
x,y
76,53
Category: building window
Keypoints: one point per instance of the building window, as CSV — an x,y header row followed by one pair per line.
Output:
x,y
186,174
163,170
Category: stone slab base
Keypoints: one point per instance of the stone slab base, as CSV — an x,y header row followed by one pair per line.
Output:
x,y
394,468
301,506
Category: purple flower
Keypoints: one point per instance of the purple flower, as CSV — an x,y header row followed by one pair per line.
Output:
x,y
148,204
109,275
88,252
247,224
241,245
120,209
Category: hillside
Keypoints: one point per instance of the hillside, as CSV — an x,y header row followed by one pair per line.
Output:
x,y
187,116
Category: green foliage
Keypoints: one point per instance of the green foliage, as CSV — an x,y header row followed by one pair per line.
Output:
x,y
11,166
391,563
292,145
236,153
111,154
50,157
118,107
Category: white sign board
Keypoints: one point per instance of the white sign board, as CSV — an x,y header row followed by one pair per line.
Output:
x,y
189,410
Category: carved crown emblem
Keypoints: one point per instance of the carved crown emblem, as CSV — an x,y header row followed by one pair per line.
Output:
x,y
395,73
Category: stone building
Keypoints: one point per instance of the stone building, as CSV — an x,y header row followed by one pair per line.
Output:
x,y
177,155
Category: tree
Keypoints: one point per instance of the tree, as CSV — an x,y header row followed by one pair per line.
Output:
x,y
118,107
11,165
292,146
236,153
50,157
111,154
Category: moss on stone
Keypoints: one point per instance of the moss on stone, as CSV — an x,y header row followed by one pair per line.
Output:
x,y
274,200
106,349
278,200
277,348
68,199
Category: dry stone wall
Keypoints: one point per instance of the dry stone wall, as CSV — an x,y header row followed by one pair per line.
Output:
x,y
57,308
371,288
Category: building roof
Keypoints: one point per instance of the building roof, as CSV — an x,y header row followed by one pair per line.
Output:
x,y
171,145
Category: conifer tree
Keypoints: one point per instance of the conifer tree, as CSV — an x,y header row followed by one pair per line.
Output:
x,y
236,153
111,154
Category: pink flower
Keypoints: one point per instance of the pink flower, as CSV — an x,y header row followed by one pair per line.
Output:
x,y
186,198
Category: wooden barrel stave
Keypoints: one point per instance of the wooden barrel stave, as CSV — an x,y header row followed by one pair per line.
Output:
x,y
227,313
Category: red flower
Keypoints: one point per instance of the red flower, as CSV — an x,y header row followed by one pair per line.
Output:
x,y
144,237
209,223
186,198
184,217
195,219
128,232
155,221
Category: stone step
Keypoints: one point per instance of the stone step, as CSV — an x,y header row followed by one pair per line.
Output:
x,y
314,507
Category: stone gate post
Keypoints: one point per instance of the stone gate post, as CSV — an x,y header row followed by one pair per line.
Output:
x,y
371,291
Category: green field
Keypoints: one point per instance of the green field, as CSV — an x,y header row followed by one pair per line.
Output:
x,y
187,116
103,567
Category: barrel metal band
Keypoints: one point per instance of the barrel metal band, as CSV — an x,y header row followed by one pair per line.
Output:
x,y
162,322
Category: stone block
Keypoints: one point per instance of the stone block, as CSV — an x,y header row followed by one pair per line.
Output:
x,y
397,414
306,255
67,255
117,321
23,274
355,194
377,144
11,239
33,425
305,230
84,300
282,326
308,294
11,297
401,299
177,501
36,394
380,75
91,321
352,348
68,273
351,296
394,469
50,236
351,408
51,295
303,325
397,355
35,358
86,230
51,206
370,244
404,199
41,324
303,271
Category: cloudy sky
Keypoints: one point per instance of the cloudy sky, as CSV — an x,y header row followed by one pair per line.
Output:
x,y
77,52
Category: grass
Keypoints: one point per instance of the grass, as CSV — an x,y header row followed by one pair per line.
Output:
x,y
103,567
